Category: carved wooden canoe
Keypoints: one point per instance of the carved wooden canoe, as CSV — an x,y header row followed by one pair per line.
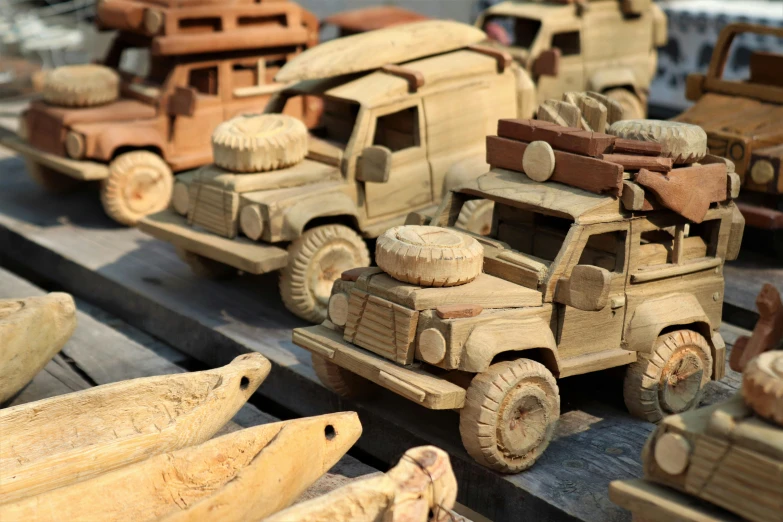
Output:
x,y
242,476
420,488
32,331
58,441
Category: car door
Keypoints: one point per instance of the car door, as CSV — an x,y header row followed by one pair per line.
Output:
x,y
192,134
584,332
401,129
571,76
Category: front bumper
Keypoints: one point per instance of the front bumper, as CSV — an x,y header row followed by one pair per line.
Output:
x,y
241,253
81,170
413,384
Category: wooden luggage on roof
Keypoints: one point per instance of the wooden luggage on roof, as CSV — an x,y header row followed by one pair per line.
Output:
x,y
178,28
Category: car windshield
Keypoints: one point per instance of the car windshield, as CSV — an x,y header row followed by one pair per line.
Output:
x,y
335,122
134,61
531,233
754,66
512,31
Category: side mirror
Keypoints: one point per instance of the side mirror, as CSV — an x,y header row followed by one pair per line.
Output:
x,y
694,87
587,289
374,164
547,63
182,102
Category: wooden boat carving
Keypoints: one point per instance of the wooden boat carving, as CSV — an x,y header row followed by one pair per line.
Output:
x,y
420,488
54,442
32,331
242,476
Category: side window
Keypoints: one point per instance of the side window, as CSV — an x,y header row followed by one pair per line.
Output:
x,y
605,250
245,74
567,42
204,80
679,243
399,130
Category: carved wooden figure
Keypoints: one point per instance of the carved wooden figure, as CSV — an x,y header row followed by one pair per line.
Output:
x,y
32,331
388,142
54,442
209,62
243,476
420,488
562,285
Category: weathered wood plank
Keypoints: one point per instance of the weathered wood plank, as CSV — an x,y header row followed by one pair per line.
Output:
x,y
68,240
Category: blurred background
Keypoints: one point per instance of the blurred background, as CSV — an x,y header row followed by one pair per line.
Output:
x,y
42,34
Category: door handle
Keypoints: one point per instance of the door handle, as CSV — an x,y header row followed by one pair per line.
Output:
x,y
617,301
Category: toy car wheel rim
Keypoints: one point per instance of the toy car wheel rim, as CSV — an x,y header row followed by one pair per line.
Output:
x,y
681,380
522,415
476,216
143,191
326,267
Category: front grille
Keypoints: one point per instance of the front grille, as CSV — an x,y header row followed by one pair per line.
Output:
x,y
45,133
717,145
378,325
213,209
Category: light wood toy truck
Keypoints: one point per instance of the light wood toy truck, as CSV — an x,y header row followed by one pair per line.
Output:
x,y
604,251
743,122
606,46
207,63
390,139
728,455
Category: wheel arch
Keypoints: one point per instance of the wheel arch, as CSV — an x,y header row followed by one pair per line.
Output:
x,y
331,208
665,314
622,78
505,340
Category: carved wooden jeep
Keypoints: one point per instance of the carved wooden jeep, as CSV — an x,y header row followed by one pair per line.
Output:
x,y
205,63
593,268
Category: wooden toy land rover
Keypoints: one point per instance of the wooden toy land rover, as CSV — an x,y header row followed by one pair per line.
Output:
x,y
743,121
208,62
390,138
594,266
606,46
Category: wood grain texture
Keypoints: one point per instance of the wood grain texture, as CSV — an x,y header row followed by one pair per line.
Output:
x,y
582,172
143,282
632,162
687,191
566,139
117,424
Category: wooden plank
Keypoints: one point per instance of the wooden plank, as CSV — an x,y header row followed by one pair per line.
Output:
x,y
645,148
688,191
593,175
633,162
567,139
67,240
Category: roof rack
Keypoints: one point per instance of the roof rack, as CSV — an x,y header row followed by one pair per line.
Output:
x,y
178,27
633,171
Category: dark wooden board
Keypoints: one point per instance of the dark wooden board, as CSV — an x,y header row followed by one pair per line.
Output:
x,y
68,241
104,349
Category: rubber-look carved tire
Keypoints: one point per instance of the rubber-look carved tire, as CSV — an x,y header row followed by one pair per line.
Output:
x,y
50,179
315,262
341,381
84,85
671,378
476,216
204,266
259,142
429,256
762,386
683,142
139,183
633,107
510,415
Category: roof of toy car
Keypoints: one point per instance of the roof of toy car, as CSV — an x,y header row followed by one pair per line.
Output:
x,y
373,50
516,189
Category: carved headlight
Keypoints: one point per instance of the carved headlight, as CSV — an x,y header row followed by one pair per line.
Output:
x,y
180,200
74,145
431,346
153,21
338,309
762,172
251,221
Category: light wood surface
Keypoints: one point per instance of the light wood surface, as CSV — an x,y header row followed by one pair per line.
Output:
x,y
86,433
682,142
762,386
32,331
81,85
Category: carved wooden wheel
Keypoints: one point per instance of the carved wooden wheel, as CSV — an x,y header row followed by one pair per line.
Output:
x,y
671,378
510,414
85,85
315,262
139,183
476,216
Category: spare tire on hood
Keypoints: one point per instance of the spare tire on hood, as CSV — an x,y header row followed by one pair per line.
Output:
x,y
81,85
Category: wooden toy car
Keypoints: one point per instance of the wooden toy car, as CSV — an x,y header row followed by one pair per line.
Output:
x,y
372,18
607,46
743,121
207,63
728,455
390,139
590,264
